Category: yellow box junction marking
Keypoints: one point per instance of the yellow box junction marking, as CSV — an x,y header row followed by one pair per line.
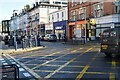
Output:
x,y
57,70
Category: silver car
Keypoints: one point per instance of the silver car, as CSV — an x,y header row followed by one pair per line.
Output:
x,y
50,37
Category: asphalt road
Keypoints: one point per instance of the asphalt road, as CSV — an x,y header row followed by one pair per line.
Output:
x,y
68,62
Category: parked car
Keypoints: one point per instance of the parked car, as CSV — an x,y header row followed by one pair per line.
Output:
x,y
110,44
50,37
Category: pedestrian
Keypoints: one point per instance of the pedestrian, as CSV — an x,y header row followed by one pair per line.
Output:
x,y
64,37
100,36
59,36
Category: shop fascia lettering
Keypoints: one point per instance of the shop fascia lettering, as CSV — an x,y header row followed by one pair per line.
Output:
x,y
59,27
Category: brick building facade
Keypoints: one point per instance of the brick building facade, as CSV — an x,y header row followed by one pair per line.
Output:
x,y
88,19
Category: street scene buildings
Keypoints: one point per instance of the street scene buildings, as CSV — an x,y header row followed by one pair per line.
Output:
x,y
63,39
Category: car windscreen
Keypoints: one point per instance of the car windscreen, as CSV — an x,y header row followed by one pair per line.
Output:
x,y
53,35
105,34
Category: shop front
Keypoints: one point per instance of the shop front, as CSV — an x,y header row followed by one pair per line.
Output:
x,y
77,30
60,29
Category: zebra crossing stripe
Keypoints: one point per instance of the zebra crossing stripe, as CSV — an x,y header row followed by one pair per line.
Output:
x,y
1,59
21,69
13,62
5,63
26,74
18,65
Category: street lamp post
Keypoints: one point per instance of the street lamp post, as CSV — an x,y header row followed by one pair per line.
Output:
x,y
15,42
85,26
30,21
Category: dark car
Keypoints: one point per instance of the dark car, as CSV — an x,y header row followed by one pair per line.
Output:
x,y
50,37
110,44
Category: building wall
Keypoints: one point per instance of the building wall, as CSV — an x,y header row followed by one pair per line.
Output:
x,y
108,9
44,14
0,28
56,16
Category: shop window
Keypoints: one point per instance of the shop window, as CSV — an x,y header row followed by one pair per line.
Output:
x,y
117,8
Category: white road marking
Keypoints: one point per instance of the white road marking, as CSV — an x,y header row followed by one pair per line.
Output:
x,y
13,62
1,59
26,74
18,65
29,70
5,63
21,69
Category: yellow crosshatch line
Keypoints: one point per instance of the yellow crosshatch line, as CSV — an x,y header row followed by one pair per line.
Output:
x,y
86,67
51,60
50,54
82,72
46,56
36,54
112,76
48,62
48,76
97,73
76,50
67,66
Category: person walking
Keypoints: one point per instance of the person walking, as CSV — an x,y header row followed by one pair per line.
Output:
x,y
59,36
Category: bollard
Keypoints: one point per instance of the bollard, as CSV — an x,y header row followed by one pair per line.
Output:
x,y
36,41
22,44
16,45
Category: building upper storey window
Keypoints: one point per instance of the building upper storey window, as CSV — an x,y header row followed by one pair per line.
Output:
x,y
82,13
82,1
98,10
74,2
73,15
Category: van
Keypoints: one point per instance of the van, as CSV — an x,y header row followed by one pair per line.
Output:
x,y
110,43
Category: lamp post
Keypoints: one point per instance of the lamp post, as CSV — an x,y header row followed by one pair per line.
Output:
x,y
85,26
15,42
30,21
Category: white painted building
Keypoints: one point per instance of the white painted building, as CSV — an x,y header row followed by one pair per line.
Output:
x,y
57,22
58,2
31,21
39,16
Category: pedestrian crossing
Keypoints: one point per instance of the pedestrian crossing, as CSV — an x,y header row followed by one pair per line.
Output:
x,y
23,73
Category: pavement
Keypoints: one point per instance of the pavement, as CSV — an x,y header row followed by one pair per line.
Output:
x,y
5,49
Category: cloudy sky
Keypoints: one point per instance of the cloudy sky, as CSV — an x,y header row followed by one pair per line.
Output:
x,y
7,7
